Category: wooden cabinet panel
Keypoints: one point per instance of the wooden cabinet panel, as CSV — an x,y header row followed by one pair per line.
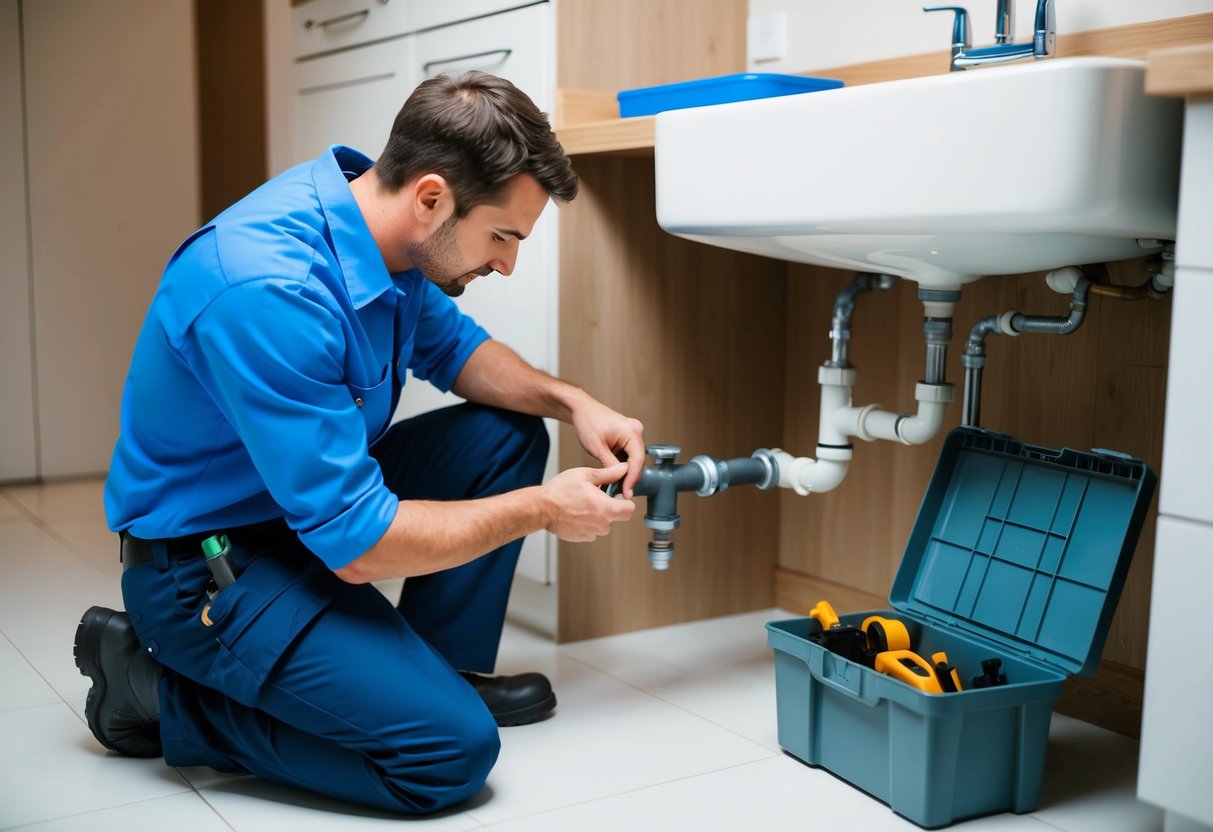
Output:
x,y
688,339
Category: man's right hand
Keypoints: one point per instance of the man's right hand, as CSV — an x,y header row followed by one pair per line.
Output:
x,y
580,510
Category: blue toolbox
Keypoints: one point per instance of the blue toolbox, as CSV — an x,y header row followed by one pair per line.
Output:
x,y
743,86
1013,570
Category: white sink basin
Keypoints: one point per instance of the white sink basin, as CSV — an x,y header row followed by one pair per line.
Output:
x,y
941,180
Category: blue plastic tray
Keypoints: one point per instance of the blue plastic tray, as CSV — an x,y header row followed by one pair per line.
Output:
x,y
725,89
1018,553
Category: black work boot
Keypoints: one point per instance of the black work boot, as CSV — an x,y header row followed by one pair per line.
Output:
x,y
514,700
123,707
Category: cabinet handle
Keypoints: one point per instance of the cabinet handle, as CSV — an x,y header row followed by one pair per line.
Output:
x,y
428,65
341,18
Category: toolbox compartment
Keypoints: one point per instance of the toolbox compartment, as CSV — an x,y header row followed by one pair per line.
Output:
x,y
1019,553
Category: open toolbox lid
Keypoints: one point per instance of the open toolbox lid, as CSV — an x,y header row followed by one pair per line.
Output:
x,y
1025,546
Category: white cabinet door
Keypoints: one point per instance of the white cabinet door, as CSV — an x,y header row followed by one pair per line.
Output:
x,y
519,310
1177,724
513,45
516,310
351,98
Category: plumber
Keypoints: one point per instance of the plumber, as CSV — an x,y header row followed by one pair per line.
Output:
x,y
255,419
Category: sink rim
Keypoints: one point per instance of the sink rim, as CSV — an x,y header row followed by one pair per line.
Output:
x,y
1067,214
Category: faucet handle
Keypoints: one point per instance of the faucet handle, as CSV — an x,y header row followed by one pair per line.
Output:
x,y
962,33
1044,34
1004,22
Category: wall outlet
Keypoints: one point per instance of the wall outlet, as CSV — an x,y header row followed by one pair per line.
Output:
x,y
767,37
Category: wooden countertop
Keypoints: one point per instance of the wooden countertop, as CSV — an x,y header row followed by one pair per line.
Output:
x,y
1181,71
588,122
1179,51
618,136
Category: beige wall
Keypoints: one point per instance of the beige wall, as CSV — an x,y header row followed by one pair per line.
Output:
x,y
17,443
112,161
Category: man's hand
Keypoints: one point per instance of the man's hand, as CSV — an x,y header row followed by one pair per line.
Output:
x,y
609,437
496,376
580,510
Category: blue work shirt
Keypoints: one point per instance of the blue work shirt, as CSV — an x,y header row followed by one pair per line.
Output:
x,y
271,359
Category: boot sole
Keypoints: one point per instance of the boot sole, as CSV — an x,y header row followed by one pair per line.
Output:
x,y
86,648
527,715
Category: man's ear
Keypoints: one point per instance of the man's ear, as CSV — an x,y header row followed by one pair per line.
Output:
x,y
432,199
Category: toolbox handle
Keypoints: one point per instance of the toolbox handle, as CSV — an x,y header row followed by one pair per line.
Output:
x,y
846,677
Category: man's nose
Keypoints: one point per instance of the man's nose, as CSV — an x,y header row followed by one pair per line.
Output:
x,y
504,265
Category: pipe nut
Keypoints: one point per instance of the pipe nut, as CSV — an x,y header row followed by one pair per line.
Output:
x,y
944,393
711,475
662,524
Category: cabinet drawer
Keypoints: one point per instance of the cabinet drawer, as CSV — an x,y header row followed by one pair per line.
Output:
x,y
350,98
325,25
513,45
427,14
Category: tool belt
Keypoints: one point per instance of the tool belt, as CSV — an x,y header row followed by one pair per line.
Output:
x,y
137,550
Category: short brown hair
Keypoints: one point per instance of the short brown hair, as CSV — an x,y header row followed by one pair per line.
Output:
x,y
476,131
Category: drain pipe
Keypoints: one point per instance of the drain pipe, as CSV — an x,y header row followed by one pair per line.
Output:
x,y
932,393
837,376
1013,323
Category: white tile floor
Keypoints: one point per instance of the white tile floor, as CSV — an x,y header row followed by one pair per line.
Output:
x,y
669,729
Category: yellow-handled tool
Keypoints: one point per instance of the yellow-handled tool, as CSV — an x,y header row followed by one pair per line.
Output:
x,y
885,634
910,668
916,671
825,615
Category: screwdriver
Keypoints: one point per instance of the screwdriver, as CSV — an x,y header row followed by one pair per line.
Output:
x,y
218,553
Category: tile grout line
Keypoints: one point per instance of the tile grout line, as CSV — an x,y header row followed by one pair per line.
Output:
x,y
41,676
668,702
202,797
614,795
88,812
44,526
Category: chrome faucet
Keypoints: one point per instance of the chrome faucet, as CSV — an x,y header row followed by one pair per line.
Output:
x,y
964,56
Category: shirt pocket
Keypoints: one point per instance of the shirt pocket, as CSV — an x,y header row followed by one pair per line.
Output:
x,y
255,621
375,404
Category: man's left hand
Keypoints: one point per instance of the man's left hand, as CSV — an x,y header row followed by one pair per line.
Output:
x,y
611,437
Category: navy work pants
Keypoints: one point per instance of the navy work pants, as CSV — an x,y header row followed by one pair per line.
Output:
x,y
302,678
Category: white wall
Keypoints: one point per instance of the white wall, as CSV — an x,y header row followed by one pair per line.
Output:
x,y
828,33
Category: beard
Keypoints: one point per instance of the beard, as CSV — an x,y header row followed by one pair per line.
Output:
x,y
437,257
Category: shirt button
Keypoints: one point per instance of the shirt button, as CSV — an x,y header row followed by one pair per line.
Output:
x,y
358,401
397,363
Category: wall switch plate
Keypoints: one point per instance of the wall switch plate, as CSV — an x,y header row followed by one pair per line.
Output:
x,y
767,37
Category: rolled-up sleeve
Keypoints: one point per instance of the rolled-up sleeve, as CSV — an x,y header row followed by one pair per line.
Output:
x,y
444,339
271,357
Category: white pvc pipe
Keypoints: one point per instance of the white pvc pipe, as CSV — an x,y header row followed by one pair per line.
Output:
x,y
921,427
810,476
871,422
835,395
